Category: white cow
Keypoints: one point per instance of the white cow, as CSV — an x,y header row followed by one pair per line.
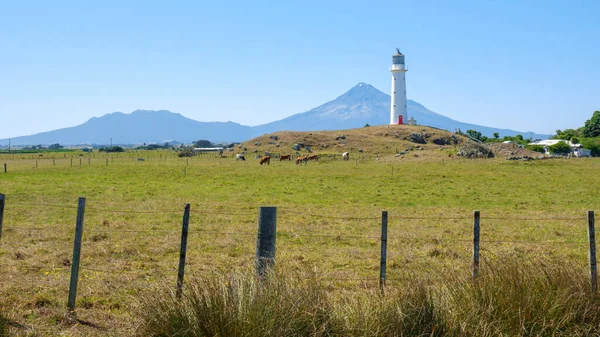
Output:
x,y
345,156
240,157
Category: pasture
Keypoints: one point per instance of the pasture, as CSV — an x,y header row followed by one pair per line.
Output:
x,y
328,224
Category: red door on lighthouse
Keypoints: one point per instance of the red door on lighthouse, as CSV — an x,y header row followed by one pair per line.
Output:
x,y
400,119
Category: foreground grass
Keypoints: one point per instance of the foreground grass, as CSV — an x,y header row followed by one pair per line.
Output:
x,y
328,224
511,299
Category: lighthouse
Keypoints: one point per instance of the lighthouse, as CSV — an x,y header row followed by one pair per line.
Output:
x,y
398,111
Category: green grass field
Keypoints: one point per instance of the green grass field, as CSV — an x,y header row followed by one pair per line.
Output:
x,y
328,224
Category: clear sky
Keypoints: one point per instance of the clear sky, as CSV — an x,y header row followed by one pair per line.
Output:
x,y
524,65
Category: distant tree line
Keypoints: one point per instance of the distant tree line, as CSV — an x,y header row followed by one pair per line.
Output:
x,y
588,136
111,149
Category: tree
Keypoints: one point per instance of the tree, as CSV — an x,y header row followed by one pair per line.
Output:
x,y
55,146
203,143
566,134
496,135
574,140
592,126
519,137
474,134
367,125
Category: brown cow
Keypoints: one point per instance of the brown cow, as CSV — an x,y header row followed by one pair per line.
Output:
x,y
312,157
300,160
265,159
285,156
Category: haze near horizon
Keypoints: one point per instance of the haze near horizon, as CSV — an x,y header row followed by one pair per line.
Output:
x,y
528,66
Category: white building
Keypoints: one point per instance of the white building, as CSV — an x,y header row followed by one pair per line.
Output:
x,y
399,112
577,150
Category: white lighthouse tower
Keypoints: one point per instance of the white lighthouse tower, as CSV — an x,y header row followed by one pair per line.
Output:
x,y
398,113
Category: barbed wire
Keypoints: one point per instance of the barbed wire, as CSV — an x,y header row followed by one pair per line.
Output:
x,y
133,231
165,211
41,204
329,216
533,219
327,235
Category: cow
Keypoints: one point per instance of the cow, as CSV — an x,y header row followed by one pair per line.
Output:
x,y
240,157
300,160
312,157
285,157
265,159
345,156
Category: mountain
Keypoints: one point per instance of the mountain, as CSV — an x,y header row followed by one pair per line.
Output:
x,y
362,104
140,126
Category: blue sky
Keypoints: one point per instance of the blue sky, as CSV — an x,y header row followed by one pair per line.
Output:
x,y
524,65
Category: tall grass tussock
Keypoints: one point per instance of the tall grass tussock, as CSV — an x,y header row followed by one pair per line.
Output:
x,y
509,298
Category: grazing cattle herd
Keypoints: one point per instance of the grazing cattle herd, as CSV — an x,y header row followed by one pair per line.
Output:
x,y
266,159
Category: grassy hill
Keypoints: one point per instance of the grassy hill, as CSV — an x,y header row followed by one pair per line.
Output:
x,y
381,141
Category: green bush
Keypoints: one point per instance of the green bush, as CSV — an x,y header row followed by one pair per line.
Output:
x,y
560,148
536,148
592,145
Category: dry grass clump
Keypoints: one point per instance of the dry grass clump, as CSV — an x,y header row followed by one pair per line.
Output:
x,y
239,305
522,299
508,299
3,327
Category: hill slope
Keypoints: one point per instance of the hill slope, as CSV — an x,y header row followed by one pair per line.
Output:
x,y
384,140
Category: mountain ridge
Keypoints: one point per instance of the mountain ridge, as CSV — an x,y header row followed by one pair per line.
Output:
x,y
360,105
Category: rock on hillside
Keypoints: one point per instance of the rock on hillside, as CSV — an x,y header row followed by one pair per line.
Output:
x,y
384,140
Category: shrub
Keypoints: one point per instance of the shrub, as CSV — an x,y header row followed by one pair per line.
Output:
x,y
593,146
536,148
560,148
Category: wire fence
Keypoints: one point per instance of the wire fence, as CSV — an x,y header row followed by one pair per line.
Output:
x,y
365,239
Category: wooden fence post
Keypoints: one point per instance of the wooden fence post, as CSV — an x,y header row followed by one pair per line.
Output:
x,y
5,168
592,252
53,162
383,261
106,162
265,243
71,161
182,250
475,244
76,254
2,201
